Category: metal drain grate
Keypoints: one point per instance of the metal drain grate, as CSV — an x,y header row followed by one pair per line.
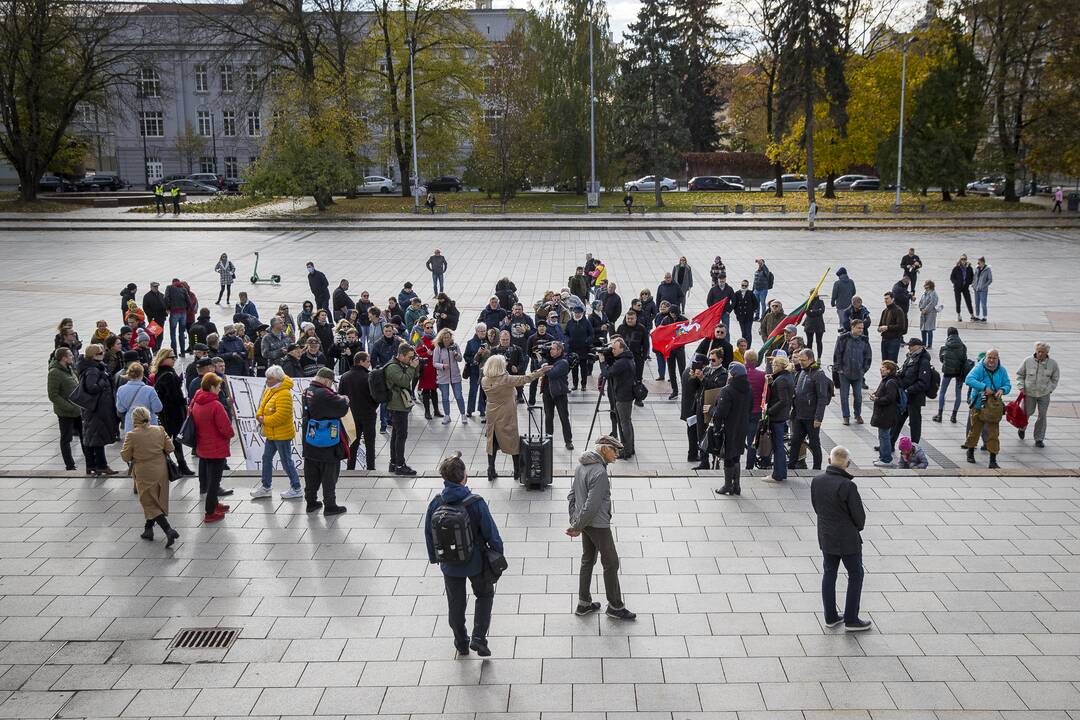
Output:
x,y
205,639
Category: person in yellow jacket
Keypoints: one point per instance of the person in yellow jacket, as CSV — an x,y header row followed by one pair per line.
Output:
x,y
275,418
159,198
174,192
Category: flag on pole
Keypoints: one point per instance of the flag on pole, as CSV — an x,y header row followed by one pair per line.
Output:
x,y
792,318
668,337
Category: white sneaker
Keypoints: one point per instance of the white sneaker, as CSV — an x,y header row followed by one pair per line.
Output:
x,y
464,419
446,420
260,492
292,494
883,464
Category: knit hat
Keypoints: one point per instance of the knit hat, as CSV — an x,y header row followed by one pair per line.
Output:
x,y
305,325
736,369
142,337
904,444
325,373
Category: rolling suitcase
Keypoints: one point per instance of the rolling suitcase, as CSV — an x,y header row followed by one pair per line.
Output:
x,y
536,455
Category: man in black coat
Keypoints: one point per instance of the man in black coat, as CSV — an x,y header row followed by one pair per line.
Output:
x,y
636,337
722,291
670,291
746,305
322,465
620,388
612,304
554,387
730,416
320,287
914,377
690,407
153,304
341,300
354,385
840,519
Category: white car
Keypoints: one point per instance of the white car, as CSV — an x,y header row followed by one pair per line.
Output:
x,y
791,182
648,183
734,180
376,184
843,182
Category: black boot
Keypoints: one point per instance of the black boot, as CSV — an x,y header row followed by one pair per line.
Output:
x,y
952,418
148,531
993,461
705,463
492,475
170,534
971,455
517,466
736,486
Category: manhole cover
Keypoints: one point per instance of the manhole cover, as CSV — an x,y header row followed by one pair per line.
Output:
x,y
201,645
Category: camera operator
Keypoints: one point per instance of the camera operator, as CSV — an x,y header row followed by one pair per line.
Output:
x,y
636,337
620,381
538,345
554,388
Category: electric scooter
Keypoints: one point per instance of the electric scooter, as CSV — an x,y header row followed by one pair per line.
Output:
x,y
256,280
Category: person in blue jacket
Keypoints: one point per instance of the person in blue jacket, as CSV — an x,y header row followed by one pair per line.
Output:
x,y
988,384
486,535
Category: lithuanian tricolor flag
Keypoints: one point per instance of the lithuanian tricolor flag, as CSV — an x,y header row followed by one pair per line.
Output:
x,y
792,318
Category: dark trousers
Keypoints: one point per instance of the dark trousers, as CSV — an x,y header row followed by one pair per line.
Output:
x,y
805,430
365,428
551,404
322,302
159,204
484,591
676,366
579,374
693,442
639,367
599,541
813,336
623,412
854,567
321,474
436,283
176,204
476,403
746,327
399,433
963,293
210,471
890,349
751,435
532,391
69,428
913,414
779,469
225,290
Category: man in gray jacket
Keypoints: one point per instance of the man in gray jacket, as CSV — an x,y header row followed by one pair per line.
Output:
x,y
590,518
274,344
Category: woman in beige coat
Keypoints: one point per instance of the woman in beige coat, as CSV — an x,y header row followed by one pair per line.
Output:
x,y
145,448
502,425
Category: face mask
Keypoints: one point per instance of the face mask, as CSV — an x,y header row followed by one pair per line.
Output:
x,y
310,270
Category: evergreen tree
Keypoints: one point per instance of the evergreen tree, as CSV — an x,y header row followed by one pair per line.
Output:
x,y
704,41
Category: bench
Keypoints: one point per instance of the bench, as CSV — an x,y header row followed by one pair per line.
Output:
x,y
709,208
582,208
478,208
768,208
639,209
439,210
909,207
106,202
851,207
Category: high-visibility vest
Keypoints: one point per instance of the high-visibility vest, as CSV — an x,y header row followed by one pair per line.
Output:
x,y
175,192
159,190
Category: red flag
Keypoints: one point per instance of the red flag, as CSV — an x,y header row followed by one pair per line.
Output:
x,y
668,337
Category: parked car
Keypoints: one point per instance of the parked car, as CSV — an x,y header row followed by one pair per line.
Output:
x,y
192,187
865,184
790,182
989,184
55,183
712,183
211,179
444,183
648,183
97,182
843,182
734,180
376,184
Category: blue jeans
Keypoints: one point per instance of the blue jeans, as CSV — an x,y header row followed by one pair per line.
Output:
x,y
958,382
178,320
661,365
384,416
890,349
474,389
436,283
283,449
855,387
444,389
980,303
853,565
884,438
779,468
726,319
928,338
751,433
762,296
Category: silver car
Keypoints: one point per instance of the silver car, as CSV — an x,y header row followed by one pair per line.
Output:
x,y
843,182
376,184
648,183
790,182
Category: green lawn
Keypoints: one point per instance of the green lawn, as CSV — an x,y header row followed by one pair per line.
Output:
x,y
10,203
216,204
542,202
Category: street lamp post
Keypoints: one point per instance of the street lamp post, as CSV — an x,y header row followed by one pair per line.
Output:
x,y
903,88
412,97
592,118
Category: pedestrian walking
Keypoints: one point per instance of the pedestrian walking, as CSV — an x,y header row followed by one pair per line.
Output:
x,y
843,290
177,300
962,276
436,265
1058,197
275,418
500,387
400,374
554,388
355,385
892,326
984,277
988,384
929,306
325,442
954,369
780,396
670,292
910,264
61,382
146,449
590,519
1037,379
226,274
212,434
852,357
683,275
840,521
319,286
452,515
763,282
721,291
746,309
886,399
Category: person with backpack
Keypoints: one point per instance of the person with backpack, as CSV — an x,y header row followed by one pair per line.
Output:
x,y
887,400
813,393
989,383
852,357
920,381
325,442
590,519
954,368
461,537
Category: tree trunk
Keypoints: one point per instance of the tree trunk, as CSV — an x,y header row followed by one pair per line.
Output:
x,y
28,186
830,188
945,196
778,175
323,198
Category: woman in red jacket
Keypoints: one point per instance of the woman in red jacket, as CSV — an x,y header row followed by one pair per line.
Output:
x,y
428,384
212,434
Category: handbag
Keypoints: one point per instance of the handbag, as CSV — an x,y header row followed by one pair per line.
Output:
x,y
992,410
494,564
1015,413
187,431
640,391
172,468
79,396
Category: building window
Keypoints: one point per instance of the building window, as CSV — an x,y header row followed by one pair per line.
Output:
x,y
228,123
205,123
152,123
252,159
232,167
154,169
149,83
251,78
202,84
86,113
206,164
226,79
254,123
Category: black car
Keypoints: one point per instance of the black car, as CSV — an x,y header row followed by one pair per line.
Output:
x,y
444,183
54,183
101,181
712,183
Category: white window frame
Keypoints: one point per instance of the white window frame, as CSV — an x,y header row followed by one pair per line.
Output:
x,y
204,122
206,164
155,170
254,123
232,167
202,78
251,78
226,78
228,123
151,120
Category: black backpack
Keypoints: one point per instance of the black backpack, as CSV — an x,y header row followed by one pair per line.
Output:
x,y
771,280
452,531
380,391
935,383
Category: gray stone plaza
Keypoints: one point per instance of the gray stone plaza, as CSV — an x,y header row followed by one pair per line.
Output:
x,y
973,576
